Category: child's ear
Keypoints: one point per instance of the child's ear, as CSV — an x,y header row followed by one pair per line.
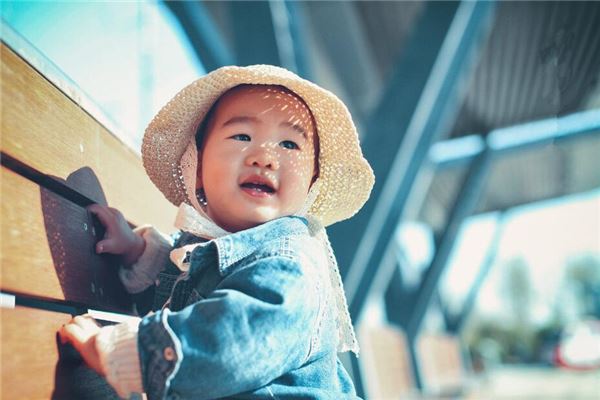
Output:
x,y
199,174
315,173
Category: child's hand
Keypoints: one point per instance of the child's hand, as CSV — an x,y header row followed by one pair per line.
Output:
x,y
81,332
119,239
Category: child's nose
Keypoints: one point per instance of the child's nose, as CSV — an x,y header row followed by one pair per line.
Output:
x,y
263,157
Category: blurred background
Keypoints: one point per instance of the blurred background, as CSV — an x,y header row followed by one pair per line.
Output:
x,y
473,272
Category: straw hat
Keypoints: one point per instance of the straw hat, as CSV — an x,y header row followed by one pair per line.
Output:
x,y
345,177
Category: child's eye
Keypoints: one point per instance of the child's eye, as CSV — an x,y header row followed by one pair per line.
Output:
x,y
241,137
288,144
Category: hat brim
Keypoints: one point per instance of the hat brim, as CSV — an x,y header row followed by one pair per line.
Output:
x,y
345,177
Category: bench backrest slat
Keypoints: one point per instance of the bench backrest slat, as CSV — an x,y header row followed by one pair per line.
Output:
x,y
46,130
55,160
29,352
48,249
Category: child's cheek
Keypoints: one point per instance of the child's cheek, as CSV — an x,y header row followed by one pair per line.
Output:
x,y
303,168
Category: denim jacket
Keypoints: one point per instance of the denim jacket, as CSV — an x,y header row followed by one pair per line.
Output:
x,y
252,318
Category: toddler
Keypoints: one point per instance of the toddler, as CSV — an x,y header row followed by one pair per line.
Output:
x,y
259,161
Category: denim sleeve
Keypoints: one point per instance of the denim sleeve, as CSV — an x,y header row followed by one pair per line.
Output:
x,y
256,326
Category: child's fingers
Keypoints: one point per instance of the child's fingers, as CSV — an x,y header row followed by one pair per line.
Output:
x,y
102,212
79,330
72,333
96,208
115,212
86,321
109,245
61,335
101,247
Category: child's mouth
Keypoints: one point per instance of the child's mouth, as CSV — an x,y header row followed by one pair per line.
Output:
x,y
257,189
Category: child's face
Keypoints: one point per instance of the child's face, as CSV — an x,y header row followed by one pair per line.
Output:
x,y
258,157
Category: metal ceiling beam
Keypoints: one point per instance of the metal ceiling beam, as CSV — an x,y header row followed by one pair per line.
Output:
x,y
422,98
498,143
205,37
547,131
262,32
457,152
428,98
507,141
254,40
457,322
463,207
340,35
289,24
385,130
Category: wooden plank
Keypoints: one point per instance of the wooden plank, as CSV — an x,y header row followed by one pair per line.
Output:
x,y
441,364
43,128
35,366
28,374
47,248
385,355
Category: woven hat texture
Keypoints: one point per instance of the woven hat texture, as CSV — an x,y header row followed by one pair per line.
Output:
x,y
345,177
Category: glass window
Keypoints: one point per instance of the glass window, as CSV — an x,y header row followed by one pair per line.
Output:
x,y
475,243
544,279
129,58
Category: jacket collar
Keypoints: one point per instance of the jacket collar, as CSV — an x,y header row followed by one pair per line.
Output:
x,y
231,247
235,246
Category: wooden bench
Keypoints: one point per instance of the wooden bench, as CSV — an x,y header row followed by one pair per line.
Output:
x,y
388,372
386,361
442,366
56,160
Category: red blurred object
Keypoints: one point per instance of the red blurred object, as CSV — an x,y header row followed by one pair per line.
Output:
x,y
579,347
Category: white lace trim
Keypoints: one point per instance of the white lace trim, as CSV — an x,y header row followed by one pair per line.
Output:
x,y
195,221
189,165
187,221
346,336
